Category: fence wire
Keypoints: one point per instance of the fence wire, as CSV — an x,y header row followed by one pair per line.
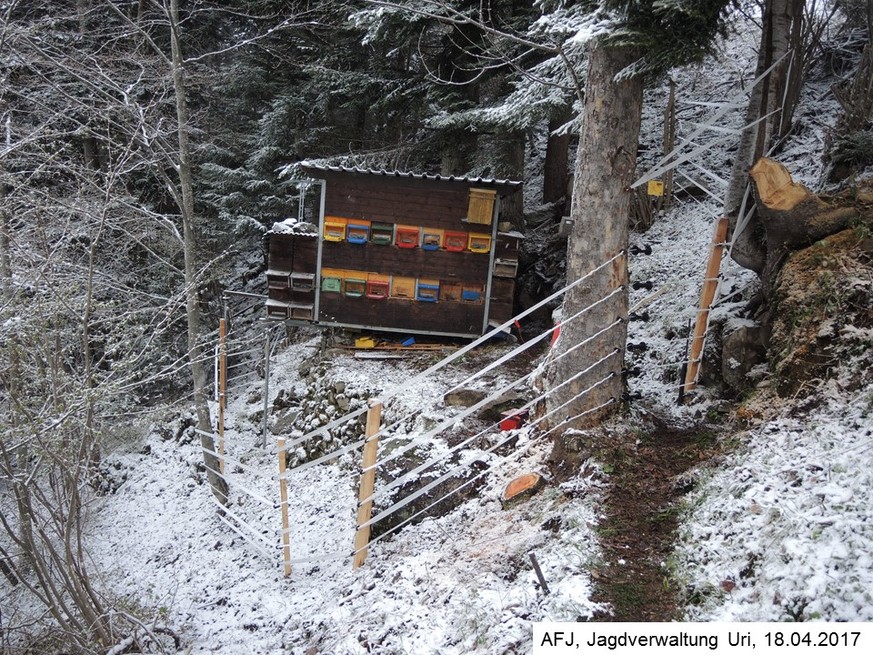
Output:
x,y
271,545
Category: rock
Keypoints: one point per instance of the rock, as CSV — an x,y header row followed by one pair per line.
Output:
x,y
521,488
458,488
339,386
284,399
284,421
743,348
463,397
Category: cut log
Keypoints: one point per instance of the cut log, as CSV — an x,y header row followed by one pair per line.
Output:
x,y
521,488
792,215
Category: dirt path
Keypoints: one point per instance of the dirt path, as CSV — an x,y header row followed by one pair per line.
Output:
x,y
641,509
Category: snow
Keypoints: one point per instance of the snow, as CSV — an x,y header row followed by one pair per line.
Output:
x,y
293,226
786,517
458,583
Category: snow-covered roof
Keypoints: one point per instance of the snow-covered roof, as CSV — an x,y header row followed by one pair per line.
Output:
x,y
296,227
504,185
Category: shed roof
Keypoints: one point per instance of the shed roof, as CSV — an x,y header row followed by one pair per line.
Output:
x,y
504,186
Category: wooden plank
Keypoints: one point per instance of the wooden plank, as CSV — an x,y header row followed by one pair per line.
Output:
x,y
395,314
283,498
500,311
502,290
368,482
412,262
305,254
419,198
398,201
506,247
382,187
302,297
282,295
281,252
707,296
431,215
388,190
222,387
419,347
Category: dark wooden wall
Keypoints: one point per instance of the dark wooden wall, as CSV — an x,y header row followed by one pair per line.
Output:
x,y
440,204
406,201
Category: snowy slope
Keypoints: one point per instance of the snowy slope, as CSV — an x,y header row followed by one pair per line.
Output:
x,y
780,529
457,584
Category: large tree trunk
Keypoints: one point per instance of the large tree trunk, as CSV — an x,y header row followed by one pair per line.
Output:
x,y
555,168
192,306
779,23
510,165
5,255
605,167
856,96
456,151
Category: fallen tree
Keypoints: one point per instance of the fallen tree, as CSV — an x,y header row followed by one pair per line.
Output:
x,y
792,216
815,283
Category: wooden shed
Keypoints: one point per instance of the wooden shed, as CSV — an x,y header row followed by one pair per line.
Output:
x,y
404,252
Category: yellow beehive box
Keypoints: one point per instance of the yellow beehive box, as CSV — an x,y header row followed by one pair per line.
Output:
x,y
402,287
480,243
481,206
335,228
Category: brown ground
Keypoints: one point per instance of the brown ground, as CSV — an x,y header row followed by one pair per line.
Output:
x,y
641,518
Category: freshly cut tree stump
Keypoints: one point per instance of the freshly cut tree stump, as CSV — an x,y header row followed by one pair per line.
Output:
x,y
522,488
793,216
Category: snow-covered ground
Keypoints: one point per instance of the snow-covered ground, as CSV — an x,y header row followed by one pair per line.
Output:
x,y
459,583
779,529
782,530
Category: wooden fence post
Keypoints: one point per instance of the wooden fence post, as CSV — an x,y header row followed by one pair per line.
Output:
x,y
707,295
222,388
266,386
368,482
283,497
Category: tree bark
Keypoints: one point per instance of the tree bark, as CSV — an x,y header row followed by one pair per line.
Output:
x,y
556,167
605,167
510,165
856,97
454,155
779,18
669,142
192,306
5,255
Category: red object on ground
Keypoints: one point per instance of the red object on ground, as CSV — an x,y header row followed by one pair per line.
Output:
x,y
512,419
